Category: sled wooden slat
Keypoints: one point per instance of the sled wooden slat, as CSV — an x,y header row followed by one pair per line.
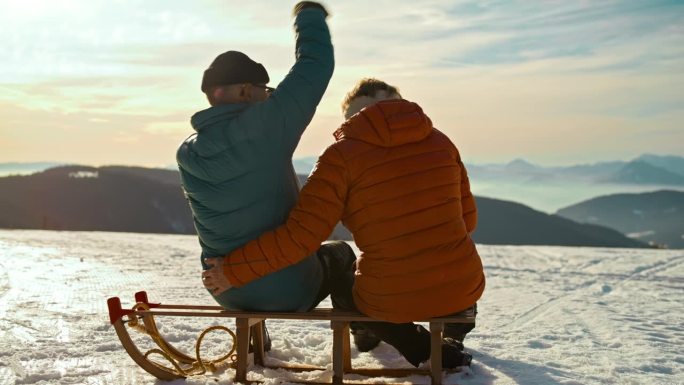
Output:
x,y
252,322
316,314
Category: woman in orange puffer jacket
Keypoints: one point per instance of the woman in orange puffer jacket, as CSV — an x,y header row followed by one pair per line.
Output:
x,y
401,188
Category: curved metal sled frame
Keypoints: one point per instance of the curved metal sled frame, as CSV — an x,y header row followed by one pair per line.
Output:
x,y
182,365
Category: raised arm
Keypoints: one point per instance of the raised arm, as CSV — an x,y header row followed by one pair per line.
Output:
x,y
311,221
290,108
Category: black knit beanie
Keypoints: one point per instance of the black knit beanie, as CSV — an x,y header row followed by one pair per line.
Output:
x,y
233,67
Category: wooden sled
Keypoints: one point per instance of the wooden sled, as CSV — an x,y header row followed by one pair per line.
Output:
x,y
248,323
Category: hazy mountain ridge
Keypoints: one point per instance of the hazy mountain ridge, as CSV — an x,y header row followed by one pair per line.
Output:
x,y
671,163
549,189
644,170
656,217
136,199
641,172
647,169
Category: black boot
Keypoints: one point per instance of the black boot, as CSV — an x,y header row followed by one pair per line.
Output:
x,y
458,331
267,340
364,339
453,355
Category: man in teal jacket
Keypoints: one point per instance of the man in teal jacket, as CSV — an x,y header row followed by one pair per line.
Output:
x,y
236,170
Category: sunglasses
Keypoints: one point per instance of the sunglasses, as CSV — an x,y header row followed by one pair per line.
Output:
x,y
269,90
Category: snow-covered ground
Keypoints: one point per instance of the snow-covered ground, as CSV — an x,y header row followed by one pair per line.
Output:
x,y
550,315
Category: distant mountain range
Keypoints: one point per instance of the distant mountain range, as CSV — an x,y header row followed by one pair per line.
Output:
x,y
550,188
640,172
134,199
655,217
644,170
647,169
671,163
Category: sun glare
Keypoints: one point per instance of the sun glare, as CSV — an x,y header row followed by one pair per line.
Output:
x,y
27,9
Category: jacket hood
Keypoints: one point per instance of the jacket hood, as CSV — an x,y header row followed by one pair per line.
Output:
x,y
388,123
212,115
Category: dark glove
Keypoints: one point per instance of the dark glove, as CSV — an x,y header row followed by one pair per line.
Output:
x,y
308,4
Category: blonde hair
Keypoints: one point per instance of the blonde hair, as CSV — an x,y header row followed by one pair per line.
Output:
x,y
368,87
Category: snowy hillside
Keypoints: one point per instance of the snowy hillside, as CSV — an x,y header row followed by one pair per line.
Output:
x,y
550,315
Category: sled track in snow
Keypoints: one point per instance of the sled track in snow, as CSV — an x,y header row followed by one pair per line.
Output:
x,y
644,274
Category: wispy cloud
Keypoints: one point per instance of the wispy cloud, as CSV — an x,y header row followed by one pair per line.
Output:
x,y
541,80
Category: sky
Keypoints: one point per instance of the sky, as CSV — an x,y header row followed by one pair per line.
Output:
x,y
553,82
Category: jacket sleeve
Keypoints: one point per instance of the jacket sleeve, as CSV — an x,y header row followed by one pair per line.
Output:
x,y
289,109
467,200
320,206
